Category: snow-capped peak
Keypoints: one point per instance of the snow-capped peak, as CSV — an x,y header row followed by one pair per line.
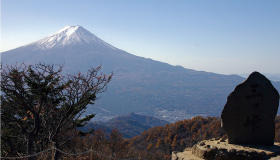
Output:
x,y
69,29
70,35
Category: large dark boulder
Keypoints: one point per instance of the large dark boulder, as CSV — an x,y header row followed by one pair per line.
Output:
x,y
249,114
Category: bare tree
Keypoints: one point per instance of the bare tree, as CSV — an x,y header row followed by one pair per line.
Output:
x,y
42,105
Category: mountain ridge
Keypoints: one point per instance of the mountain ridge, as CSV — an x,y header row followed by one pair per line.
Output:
x,y
128,125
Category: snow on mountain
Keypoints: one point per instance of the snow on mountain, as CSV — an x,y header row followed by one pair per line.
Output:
x,y
70,35
74,47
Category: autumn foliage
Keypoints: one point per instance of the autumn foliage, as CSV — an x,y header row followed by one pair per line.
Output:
x,y
177,136
158,143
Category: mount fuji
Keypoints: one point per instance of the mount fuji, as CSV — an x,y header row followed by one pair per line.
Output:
x,y
70,35
139,84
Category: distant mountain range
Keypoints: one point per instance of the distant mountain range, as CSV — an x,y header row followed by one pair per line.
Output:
x,y
139,84
128,125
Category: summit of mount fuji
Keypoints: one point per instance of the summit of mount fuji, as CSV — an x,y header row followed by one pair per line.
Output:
x,y
70,35
74,47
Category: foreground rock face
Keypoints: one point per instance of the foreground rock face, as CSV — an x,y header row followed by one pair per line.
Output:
x,y
249,114
222,150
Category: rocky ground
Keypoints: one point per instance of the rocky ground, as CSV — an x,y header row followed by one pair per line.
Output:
x,y
219,149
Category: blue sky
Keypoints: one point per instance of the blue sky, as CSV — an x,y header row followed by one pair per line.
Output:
x,y
230,37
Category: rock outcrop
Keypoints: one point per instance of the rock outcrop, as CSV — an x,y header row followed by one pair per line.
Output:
x,y
249,121
221,150
249,114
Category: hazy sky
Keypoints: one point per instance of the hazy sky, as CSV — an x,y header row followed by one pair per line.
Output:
x,y
222,36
